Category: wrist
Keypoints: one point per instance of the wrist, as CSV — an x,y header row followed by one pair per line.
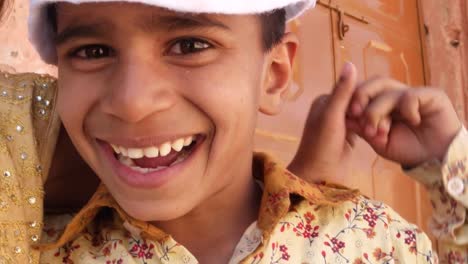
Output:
x,y
442,151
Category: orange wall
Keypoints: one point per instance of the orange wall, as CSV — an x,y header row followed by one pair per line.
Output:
x,y
16,53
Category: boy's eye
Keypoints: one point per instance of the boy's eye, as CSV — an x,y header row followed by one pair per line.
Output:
x,y
92,52
188,46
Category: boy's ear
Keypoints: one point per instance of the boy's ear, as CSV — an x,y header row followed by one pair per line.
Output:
x,y
278,74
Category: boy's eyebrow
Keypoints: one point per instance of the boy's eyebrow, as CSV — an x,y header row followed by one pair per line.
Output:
x,y
149,24
92,30
175,22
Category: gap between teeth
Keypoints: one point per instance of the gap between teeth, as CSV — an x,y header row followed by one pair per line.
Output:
x,y
131,164
154,151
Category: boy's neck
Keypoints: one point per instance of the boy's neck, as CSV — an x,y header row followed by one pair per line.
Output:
x,y
212,230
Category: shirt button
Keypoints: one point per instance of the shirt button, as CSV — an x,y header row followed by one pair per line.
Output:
x,y
456,186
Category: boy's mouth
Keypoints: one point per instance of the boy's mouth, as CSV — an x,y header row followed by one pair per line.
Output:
x,y
156,158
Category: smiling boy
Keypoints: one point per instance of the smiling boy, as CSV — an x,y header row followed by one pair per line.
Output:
x,y
161,102
179,147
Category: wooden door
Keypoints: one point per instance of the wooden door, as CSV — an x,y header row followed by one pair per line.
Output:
x,y
380,37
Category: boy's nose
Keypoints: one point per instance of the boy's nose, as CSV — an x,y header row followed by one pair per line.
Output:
x,y
137,90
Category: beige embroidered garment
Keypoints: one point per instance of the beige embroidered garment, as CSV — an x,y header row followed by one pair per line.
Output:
x,y
28,132
298,222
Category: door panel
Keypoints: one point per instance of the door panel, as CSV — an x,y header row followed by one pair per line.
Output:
x,y
396,16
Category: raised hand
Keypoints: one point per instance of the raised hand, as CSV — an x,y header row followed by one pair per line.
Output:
x,y
326,143
403,124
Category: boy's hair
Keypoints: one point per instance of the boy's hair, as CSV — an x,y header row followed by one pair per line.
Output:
x,y
273,28
273,25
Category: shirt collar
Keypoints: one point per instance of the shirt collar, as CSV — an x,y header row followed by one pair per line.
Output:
x,y
280,190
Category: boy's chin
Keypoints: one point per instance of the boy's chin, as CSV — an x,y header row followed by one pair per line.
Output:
x,y
149,211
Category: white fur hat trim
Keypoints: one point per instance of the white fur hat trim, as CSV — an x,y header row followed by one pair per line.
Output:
x,y
41,34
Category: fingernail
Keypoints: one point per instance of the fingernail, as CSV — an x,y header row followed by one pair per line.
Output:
x,y
347,68
383,127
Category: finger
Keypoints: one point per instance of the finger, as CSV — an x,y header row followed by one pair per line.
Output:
x,y
409,108
319,104
380,107
355,108
378,142
378,139
384,126
370,130
353,125
366,91
351,139
343,92
429,101
316,110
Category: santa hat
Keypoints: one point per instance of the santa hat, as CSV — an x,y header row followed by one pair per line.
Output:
x,y
41,33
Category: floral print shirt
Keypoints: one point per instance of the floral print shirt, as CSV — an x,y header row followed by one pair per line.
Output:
x,y
298,222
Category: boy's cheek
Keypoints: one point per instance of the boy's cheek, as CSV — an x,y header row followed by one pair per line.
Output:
x,y
74,104
76,93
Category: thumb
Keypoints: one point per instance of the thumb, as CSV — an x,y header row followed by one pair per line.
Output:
x,y
319,106
343,91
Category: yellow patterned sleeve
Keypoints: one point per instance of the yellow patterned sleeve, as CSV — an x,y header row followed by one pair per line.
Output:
x,y
447,184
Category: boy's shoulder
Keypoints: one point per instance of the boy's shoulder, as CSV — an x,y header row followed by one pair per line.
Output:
x,y
355,231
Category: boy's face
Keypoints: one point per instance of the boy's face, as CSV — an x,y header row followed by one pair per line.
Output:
x,y
137,77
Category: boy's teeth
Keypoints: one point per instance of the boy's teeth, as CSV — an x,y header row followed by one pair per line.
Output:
x,y
131,164
165,149
147,170
139,169
151,152
188,141
116,149
135,153
178,144
123,151
126,161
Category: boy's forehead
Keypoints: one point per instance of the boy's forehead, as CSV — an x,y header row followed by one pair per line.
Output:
x,y
138,14
97,20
